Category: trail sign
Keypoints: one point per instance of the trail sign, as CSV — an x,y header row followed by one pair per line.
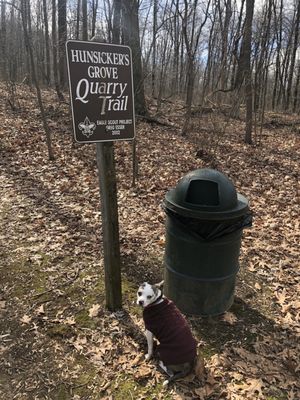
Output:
x,y
101,90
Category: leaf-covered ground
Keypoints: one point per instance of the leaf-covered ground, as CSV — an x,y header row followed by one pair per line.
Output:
x,y
57,341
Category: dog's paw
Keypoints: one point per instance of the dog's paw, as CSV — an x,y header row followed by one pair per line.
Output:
x,y
148,357
165,383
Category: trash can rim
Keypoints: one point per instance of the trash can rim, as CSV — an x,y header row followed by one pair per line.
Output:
x,y
207,212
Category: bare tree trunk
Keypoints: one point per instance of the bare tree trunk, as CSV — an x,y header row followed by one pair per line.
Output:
x,y
26,20
293,58
176,41
165,57
244,73
208,68
191,43
130,27
117,22
224,50
234,56
296,90
281,98
189,96
13,66
3,41
278,32
84,21
262,60
54,51
47,47
108,17
77,28
248,72
154,32
62,38
94,17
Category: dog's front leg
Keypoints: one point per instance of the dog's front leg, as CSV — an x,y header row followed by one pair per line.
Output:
x,y
149,337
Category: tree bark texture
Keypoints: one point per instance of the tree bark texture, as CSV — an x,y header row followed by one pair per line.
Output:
x,y
131,35
62,38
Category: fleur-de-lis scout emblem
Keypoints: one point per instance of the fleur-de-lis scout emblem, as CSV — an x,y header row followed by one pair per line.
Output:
x,y
87,127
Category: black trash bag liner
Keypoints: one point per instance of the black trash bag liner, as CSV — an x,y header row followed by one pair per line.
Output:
x,y
210,230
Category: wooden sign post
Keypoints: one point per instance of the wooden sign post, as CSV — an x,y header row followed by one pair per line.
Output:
x,y
101,90
110,224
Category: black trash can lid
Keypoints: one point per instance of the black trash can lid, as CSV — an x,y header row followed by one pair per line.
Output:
x,y
206,194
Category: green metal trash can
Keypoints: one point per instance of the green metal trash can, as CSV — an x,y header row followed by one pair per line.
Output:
x,y
205,218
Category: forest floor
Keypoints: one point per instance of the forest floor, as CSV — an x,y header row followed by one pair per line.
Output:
x,y
57,340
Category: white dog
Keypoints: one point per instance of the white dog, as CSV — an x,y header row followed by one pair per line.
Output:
x,y
177,349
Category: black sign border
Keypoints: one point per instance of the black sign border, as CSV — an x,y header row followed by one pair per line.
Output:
x,y
71,98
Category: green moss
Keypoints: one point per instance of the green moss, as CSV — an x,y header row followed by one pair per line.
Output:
x,y
85,377
60,330
207,351
83,320
98,292
129,297
60,393
5,379
278,395
86,294
26,276
126,387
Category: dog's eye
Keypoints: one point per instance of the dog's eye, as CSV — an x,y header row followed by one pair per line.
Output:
x,y
149,297
139,293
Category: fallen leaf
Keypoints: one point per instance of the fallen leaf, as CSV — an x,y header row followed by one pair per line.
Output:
x,y
137,360
79,343
257,286
204,392
252,387
161,241
230,318
94,310
281,296
25,319
40,310
143,372
70,321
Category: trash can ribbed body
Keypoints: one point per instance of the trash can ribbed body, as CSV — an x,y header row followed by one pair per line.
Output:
x,y
200,275
202,250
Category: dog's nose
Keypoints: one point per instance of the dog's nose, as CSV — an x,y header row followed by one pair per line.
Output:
x,y
141,302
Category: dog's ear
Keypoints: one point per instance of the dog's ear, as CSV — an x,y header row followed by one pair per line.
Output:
x,y
159,285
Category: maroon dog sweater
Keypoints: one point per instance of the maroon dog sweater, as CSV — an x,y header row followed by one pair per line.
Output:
x,y
168,325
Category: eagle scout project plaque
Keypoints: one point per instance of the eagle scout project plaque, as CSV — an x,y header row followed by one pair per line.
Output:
x,y
101,90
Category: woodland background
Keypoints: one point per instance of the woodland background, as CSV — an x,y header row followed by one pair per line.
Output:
x,y
215,53
216,86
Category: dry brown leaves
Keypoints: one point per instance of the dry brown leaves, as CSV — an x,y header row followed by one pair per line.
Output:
x,y
58,341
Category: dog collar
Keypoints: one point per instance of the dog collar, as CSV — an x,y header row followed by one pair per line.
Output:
x,y
156,301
